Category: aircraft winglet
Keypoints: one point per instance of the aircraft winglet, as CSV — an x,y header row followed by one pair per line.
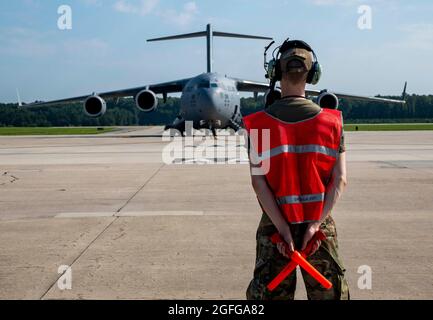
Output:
x,y
20,104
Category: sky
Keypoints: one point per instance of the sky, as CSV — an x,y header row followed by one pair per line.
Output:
x,y
106,47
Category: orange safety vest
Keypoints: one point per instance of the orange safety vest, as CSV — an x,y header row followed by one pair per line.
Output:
x,y
298,159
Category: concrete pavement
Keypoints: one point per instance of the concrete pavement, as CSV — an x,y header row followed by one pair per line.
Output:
x,y
133,227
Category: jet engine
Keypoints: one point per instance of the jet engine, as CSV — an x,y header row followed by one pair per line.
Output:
x,y
146,101
327,100
95,106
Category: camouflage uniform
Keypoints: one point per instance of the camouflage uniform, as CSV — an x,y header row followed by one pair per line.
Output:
x,y
269,262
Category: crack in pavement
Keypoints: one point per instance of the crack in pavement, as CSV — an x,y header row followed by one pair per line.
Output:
x,y
114,219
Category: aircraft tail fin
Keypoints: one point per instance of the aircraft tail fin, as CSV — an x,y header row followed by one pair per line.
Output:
x,y
209,34
403,95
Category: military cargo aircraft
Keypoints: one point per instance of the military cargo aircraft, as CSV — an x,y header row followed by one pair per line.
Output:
x,y
210,100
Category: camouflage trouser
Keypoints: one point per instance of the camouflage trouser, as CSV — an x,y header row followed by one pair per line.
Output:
x,y
269,262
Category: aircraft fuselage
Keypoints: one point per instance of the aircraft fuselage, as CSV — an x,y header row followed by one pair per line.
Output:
x,y
210,100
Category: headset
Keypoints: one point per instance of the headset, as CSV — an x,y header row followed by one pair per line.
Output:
x,y
273,67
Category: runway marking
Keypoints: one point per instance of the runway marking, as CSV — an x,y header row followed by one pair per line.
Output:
x,y
113,220
160,213
84,214
147,213
141,188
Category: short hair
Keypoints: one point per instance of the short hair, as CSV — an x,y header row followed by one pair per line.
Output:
x,y
295,78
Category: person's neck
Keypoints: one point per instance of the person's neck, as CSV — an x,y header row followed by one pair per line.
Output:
x,y
288,89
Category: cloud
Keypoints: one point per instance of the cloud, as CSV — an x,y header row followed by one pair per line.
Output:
x,y
25,42
92,46
182,18
335,2
416,36
141,7
32,3
97,3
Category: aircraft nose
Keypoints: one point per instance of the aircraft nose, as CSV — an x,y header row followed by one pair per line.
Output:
x,y
208,99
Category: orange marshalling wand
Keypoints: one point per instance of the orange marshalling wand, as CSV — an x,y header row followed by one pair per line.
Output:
x,y
299,258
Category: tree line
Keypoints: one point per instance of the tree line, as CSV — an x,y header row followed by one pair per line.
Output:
x,y
419,108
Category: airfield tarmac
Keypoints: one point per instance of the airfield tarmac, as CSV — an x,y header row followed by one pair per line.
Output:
x,y
133,227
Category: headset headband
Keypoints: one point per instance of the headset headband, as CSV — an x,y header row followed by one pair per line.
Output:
x,y
290,44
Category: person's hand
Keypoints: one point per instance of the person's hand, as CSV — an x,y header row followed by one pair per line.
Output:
x,y
312,228
315,247
289,244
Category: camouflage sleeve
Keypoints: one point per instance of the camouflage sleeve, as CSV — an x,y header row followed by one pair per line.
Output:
x,y
342,145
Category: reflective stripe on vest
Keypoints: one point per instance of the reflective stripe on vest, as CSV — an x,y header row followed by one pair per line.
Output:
x,y
303,198
286,148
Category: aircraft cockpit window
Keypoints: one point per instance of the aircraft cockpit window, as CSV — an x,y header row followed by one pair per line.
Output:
x,y
203,84
214,85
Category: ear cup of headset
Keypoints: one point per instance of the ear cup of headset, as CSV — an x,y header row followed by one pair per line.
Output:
x,y
314,74
317,73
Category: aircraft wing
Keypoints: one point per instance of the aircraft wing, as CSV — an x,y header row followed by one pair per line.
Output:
x,y
315,93
251,86
255,86
164,88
